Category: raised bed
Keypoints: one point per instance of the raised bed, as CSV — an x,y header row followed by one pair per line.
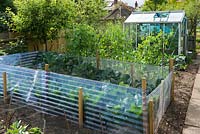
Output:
x,y
99,104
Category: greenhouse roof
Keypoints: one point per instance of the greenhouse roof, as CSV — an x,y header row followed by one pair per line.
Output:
x,y
156,17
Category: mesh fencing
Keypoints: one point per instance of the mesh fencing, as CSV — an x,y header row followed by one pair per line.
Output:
x,y
161,98
112,71
109,108
106,106
21,59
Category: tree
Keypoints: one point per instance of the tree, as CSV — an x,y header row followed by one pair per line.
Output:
x,y
42,19
4,4
192,9
81,40
90,11
153,5
113,43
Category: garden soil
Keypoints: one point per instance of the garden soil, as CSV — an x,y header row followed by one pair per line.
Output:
x,y
171,123
49,124
174,118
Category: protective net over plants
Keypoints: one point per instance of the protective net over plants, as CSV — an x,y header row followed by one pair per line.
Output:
x,y
108,107
161,97
105,70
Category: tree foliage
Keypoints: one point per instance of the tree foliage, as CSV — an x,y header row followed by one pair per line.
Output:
x,y
6,3
90,11
192,9
3,16
41,19
81,40
113,43
153,5
110,41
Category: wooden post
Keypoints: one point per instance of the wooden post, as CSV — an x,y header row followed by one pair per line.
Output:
x,y
132,75
151,117
80,107
5,95
172,88
46,68
171,65
144,106
144,84
97,60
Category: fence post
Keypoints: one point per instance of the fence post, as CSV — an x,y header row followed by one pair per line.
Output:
x,y
80,107
144,106
132,75
151,117
97,60
46,68
171,65
5,95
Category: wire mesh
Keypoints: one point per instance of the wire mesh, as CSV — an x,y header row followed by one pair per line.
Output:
x,y
20,59
161,97
112,71
58,94
108,107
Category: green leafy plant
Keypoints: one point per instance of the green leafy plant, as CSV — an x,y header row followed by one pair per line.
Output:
x,y
78,66
181,63
152,50
114,44
18,46
135,109
18,128
81,40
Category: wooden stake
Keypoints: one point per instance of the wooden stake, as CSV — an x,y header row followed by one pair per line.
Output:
x,y
46,67
97,60
172,88
80,107
171,65
144,106
5,87
151,117
144,84
132,74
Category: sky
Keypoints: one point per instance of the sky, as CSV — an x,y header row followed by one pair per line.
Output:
x,y
132,2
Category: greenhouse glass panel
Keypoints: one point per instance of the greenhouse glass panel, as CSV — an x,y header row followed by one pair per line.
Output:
x,y
171,23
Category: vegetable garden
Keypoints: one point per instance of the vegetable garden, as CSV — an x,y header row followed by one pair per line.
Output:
x,y
104,95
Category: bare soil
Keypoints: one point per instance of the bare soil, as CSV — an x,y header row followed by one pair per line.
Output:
x,y
49,124
174,118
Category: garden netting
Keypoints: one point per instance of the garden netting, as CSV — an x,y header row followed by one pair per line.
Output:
x,y
108,107
105,104
111,71
161,98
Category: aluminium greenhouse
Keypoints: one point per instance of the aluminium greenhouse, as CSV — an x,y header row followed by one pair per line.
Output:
x,y
143,24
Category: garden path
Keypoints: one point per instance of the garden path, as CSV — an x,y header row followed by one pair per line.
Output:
x,y
192,121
